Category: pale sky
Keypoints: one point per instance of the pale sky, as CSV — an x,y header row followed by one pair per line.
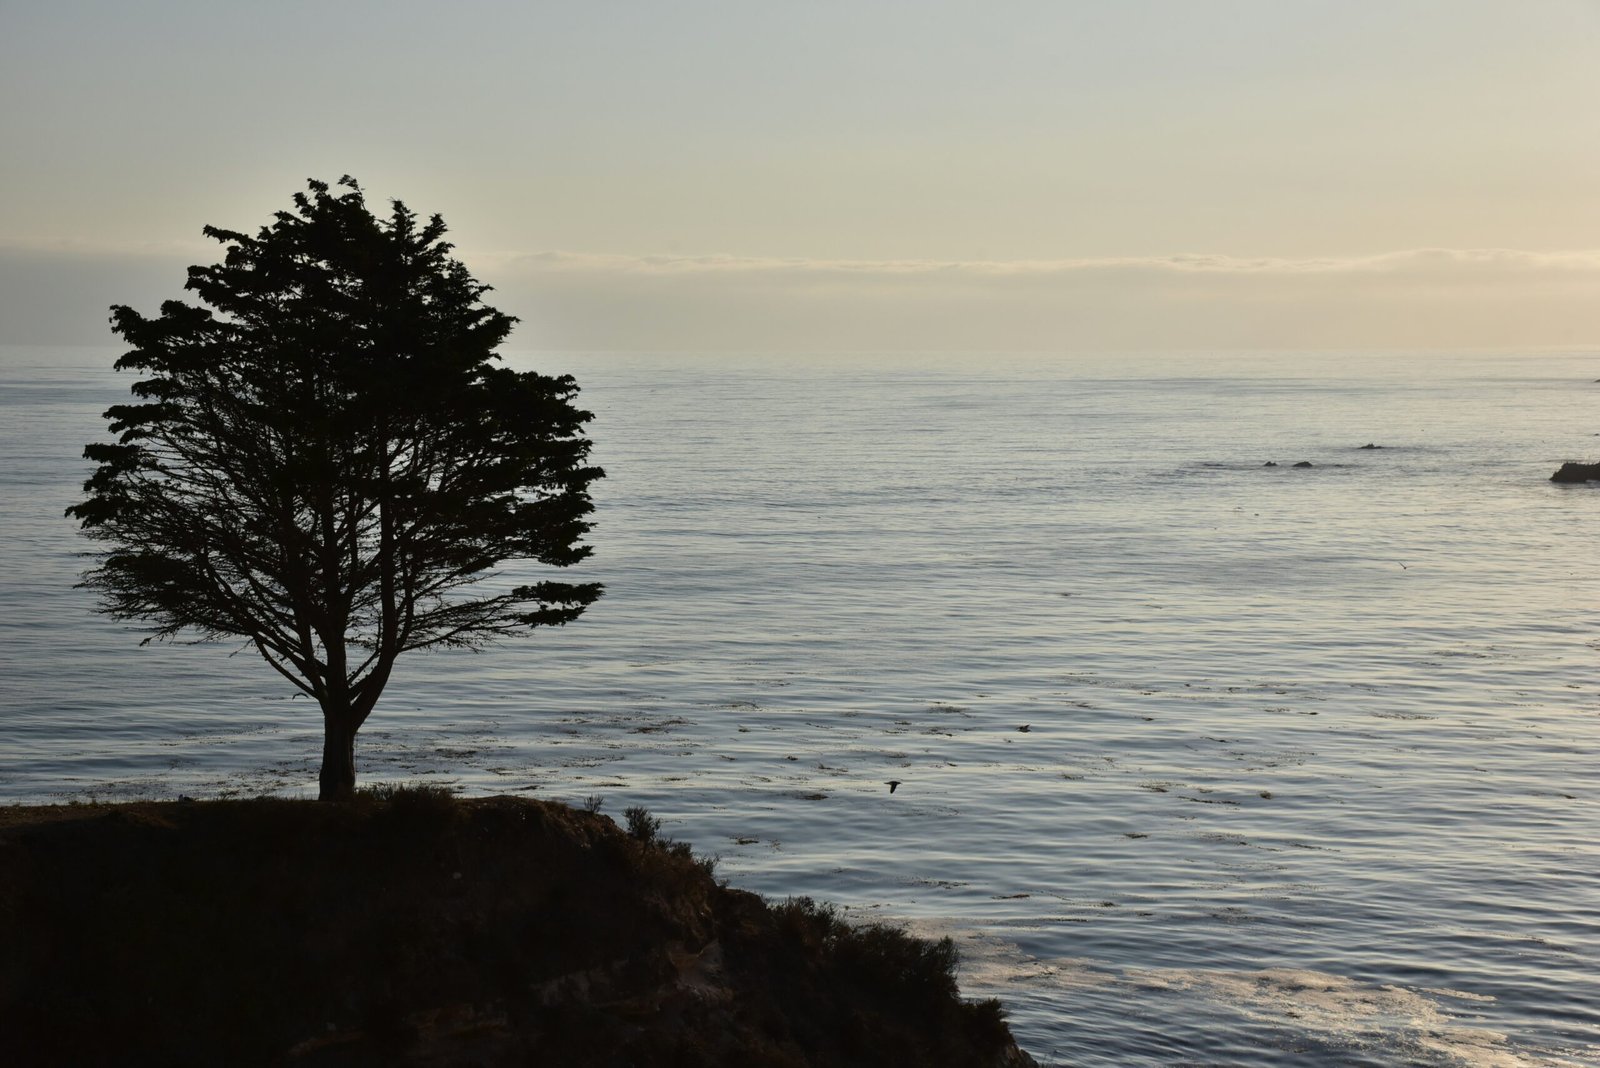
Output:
x,y
674,174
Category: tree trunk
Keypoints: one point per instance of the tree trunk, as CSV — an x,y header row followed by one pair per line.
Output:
x,y
338,778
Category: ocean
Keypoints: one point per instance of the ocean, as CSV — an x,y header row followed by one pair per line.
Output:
x,y
1203,761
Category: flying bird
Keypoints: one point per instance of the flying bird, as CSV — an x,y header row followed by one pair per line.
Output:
x,y
894,784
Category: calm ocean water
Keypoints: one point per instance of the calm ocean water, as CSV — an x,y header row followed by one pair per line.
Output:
x,y
1204,762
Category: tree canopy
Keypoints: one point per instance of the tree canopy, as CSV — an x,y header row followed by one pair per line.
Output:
x,y
324,459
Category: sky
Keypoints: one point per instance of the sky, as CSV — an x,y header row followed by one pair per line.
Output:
x,y
1055,175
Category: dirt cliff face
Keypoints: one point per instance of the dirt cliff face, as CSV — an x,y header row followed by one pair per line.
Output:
x,y
421,930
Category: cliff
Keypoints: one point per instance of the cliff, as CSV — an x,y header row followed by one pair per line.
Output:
x,y
416,929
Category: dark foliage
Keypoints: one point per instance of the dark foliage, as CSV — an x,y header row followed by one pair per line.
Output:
x,y
324,460
642,825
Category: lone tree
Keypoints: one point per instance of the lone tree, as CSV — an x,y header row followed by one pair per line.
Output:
x,y
327,462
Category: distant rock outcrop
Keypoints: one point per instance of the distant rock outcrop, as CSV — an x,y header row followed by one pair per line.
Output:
x,y
1305,463
1571,472
1370,445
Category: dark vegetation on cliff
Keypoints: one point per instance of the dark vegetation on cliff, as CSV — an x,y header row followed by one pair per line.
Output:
x,y
410,928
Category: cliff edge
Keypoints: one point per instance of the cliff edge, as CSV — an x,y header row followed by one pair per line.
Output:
x,y
417,929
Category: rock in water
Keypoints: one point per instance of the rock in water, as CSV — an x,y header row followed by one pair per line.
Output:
x,y
1571,472
1305,463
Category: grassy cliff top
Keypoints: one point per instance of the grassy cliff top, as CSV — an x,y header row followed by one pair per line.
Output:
x,y
411,928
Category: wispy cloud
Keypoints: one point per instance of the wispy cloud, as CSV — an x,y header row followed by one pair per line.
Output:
x,y
1398,262
671,263
1432,297
1425,297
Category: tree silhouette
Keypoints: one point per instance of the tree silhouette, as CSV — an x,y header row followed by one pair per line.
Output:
x,y
327,462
